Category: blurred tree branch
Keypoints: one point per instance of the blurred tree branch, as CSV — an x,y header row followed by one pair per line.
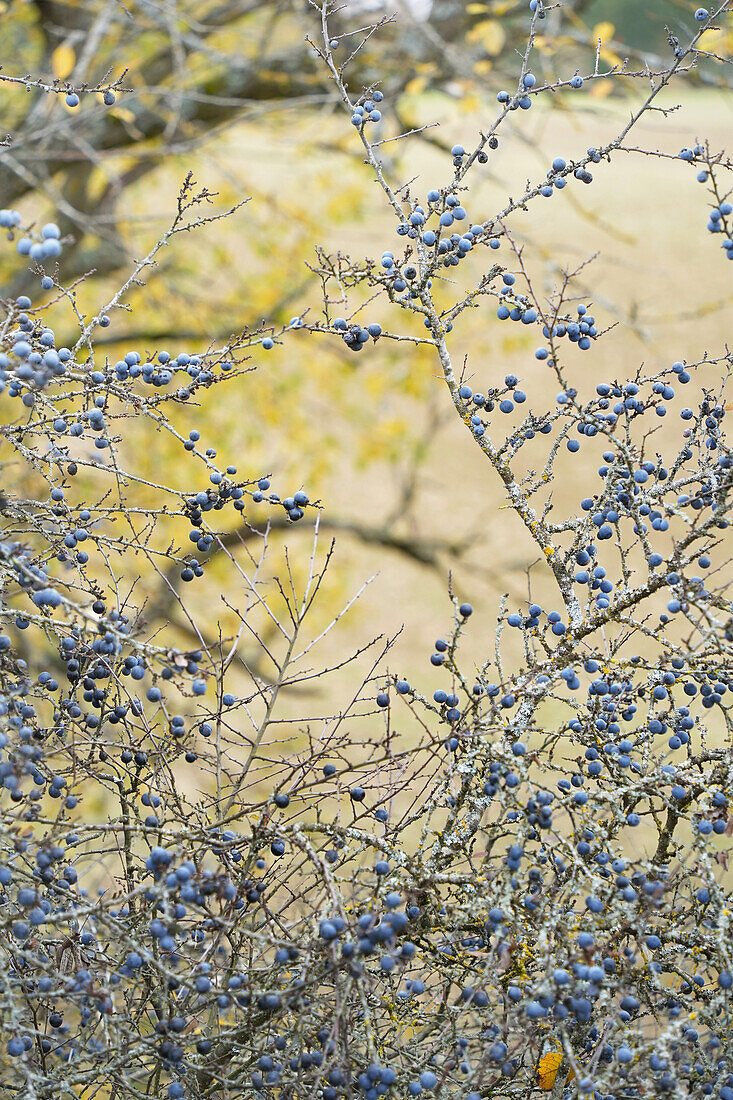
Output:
x,y
192,76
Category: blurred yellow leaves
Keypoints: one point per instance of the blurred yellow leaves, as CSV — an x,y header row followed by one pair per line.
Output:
x,y
489,34
601,88
718,40
63,60
421,80
387,440
416,85
470,102
346,201
604,31
124,114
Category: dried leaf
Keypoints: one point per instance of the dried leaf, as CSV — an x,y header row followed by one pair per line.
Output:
x,y
547,1068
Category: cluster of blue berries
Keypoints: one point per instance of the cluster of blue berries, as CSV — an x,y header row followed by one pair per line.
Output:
x,y
505,399
31,359
10,219
430,226
523,100
368,110
355,336
48,247
72,98
719,217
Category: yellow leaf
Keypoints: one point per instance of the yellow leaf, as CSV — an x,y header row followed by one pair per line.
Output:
x,y
470,103
546,41
600,89
490,34
63,60
483,67
275,76
124,114
712,39
416,85
604,31
610,57
476,9
547,1068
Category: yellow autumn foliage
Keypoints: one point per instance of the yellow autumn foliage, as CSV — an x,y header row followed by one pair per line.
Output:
x,y
63,60
489,34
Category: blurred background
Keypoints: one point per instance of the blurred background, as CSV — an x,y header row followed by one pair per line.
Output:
x,y
233,92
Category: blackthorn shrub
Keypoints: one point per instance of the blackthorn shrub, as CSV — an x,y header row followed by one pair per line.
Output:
x,y
195,902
